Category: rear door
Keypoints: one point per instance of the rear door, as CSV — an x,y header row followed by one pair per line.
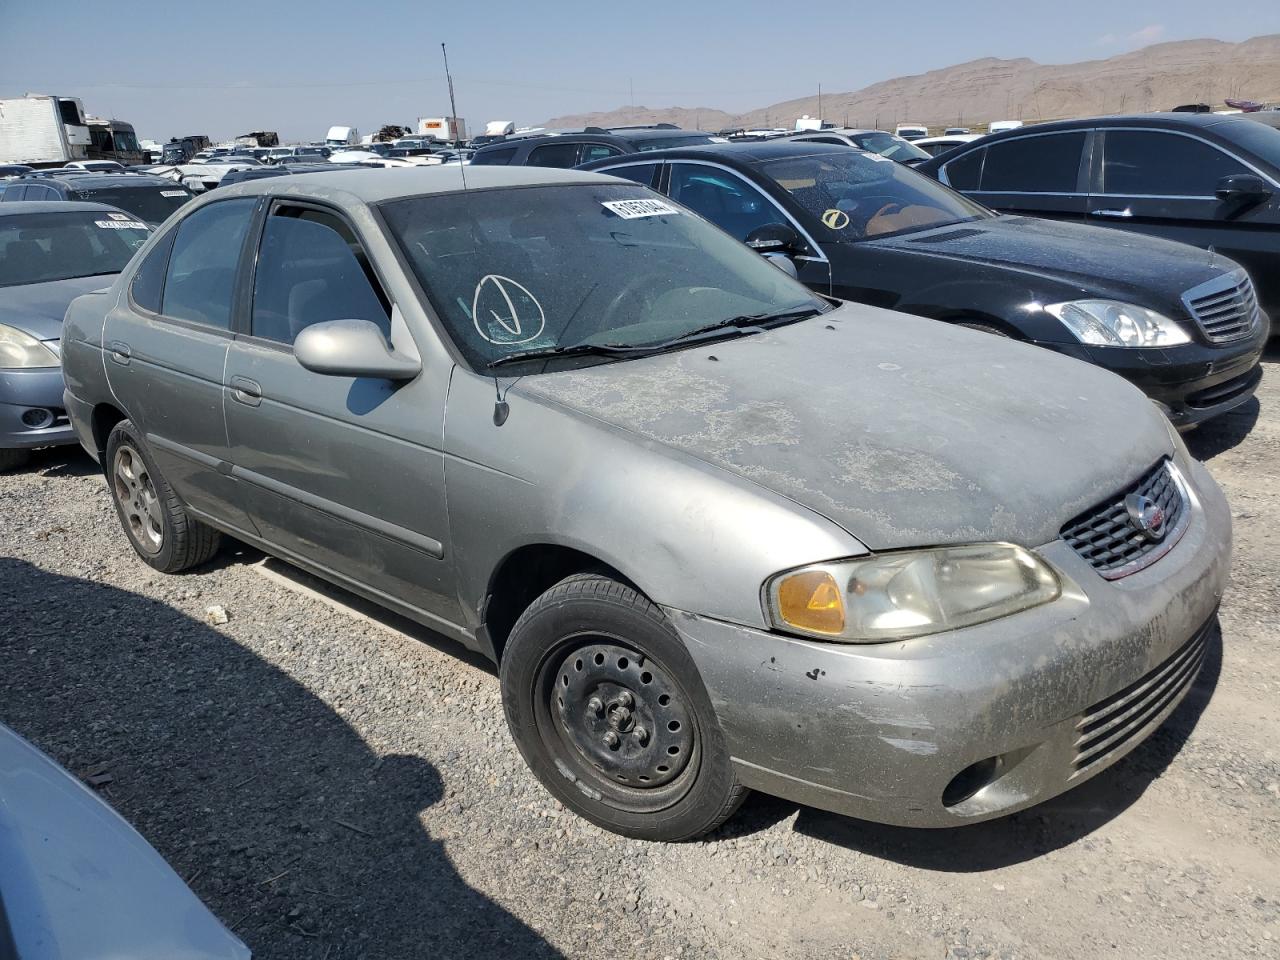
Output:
x,y
1163,183
344,475
166,345
1039,175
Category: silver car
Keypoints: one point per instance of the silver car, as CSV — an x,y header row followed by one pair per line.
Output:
x,y
50,253
718,533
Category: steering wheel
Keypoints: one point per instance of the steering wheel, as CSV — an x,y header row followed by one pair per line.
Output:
x,y
889,208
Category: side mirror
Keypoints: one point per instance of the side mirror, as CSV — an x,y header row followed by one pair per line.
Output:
x,y
774,238
1243,190
352,348
783,263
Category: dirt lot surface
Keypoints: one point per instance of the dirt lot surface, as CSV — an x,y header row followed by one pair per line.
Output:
x,y
334,787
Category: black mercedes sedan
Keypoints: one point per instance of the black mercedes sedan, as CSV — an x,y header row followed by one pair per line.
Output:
x,y
1198,178
1182,324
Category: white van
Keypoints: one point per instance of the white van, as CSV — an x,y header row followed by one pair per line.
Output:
x,y
911,131
341,136
995,126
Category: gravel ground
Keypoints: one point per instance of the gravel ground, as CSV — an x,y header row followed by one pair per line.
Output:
x,y
337,784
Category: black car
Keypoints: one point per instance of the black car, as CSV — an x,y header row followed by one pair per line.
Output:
x,y
1204,179
149,198
566,150
857,226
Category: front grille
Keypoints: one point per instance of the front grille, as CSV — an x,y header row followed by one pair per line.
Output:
x,y
1226,308
1108,539
1111,723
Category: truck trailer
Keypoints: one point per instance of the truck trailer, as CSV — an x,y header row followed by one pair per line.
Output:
x,y
43,131
448,129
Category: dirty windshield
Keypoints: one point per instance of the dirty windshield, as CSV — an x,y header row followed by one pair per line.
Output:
x,y
861,196
39,247
582,267
152,203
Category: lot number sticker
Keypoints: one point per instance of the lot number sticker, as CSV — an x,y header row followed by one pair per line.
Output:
x,y
173,193
119,224
634,209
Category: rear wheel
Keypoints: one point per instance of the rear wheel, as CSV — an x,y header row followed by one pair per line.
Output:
x,y
608,710
155,520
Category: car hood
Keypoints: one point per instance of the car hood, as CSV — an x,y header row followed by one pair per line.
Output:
x,y
1097,259
78,881
904,431
38,308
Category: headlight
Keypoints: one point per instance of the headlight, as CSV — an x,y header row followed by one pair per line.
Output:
x,y
894,596
1109,323
19,350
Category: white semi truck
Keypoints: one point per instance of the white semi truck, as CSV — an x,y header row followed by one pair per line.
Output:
x,y
43,131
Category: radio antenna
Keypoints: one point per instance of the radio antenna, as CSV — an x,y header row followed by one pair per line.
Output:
x,y
453,110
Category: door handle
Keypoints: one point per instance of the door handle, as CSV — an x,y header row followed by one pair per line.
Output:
x,y
120,352
1119,214
246,391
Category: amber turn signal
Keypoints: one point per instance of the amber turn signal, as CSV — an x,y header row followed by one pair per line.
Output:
x,y
810,600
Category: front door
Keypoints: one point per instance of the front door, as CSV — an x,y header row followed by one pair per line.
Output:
x,y
166,345
342,475
1163,184
1038,175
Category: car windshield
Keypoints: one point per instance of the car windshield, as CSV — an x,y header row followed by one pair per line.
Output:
x,y
150,203
667,143
581,267
40,247
887,145
862,196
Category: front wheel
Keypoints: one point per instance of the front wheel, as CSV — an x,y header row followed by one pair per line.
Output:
x,y
608,710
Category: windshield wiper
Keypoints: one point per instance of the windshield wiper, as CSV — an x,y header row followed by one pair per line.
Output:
x,y
572,350
747,321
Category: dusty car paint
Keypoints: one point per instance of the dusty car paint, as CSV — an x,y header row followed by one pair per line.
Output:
x,y
699,474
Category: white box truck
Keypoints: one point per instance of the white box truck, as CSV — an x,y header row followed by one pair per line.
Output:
x,y
443,128
342,136
43,131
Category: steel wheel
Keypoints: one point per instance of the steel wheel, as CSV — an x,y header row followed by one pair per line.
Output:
x,y
619,720
136,495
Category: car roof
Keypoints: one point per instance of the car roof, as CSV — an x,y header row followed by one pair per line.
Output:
x,y
839,131
744,154
54,206
396,182
87,180
1186,121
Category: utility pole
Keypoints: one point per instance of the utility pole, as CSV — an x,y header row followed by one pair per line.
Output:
x,y
819,106
631,81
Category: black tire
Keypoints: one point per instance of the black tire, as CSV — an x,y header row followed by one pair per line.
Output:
x,y
616,643
984,328
12,459
157,524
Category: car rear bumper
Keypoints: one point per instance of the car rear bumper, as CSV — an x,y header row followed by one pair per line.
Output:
x,y
31,410
993,718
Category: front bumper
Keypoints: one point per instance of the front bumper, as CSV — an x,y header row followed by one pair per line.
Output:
x,y
881,731
1192,382
37,393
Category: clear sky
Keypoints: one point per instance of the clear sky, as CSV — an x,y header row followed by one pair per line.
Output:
x,y
225,67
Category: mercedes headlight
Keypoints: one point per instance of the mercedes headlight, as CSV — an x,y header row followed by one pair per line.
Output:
x,y
19,350
1110,323
895,596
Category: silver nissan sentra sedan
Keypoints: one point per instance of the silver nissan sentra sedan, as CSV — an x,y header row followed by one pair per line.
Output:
x,y
717,533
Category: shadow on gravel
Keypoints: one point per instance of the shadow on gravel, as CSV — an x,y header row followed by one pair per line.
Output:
x,y
1224,432
1064,820
258,793
67,461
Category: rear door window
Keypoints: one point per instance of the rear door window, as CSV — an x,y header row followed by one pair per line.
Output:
x,y
642,173
597,151
965,173
561,155
1156,164
311,269
201,278
1048,163
148,283
494,157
